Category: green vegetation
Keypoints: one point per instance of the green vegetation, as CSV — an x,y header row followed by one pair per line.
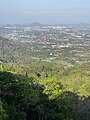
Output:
x,y
44,92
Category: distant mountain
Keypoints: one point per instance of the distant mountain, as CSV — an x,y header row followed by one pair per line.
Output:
x,y
35,24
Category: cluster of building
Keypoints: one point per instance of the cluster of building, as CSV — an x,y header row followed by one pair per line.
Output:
x,y
52,42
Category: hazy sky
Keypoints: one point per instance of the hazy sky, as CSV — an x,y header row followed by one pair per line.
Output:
x,y
44,11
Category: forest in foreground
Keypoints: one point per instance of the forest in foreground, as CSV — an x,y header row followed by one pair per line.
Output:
x,y
44,92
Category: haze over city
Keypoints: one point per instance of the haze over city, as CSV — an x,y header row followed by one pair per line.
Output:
x,y
44,11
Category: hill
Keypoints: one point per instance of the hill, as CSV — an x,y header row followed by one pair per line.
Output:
x,y
44,92
35,24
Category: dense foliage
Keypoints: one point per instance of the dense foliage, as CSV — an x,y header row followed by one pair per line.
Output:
x,y
44,92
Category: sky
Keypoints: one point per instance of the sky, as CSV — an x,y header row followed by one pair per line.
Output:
x,y
44,11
